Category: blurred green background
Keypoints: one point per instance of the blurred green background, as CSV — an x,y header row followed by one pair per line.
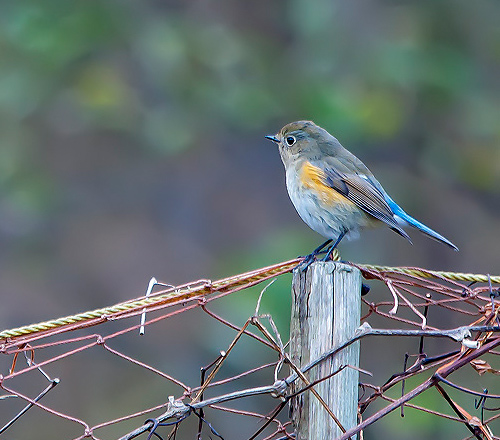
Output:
x,y
132,146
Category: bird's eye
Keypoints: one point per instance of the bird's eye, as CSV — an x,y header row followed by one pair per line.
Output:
x,y
290,140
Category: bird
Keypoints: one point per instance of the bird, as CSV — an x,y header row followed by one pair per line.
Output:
x,y
334,192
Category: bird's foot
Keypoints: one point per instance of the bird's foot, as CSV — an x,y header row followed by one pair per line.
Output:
x,y
306,262
311,258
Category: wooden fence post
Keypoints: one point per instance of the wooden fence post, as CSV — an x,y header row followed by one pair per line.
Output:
x,y
326,303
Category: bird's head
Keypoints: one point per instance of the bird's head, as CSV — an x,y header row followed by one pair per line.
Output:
x,y
303,139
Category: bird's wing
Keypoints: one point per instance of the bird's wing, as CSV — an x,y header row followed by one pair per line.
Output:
x,y
360,189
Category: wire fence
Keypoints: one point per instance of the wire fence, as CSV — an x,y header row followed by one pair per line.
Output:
x,y
417,304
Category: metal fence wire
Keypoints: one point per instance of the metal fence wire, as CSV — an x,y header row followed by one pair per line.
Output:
x,y
415,310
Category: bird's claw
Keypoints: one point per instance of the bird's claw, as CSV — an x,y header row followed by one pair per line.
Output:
x,y
305,263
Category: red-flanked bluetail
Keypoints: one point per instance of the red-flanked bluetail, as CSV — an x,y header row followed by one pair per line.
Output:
x,y
333,191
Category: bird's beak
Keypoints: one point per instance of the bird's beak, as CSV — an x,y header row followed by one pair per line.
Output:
x,y
273,138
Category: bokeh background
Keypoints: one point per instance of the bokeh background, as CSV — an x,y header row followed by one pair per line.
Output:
x,y
131,146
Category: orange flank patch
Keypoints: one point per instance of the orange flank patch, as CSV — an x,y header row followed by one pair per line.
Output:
x,y
314,178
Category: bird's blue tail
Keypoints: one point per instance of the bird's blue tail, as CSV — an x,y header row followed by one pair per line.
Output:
x,y
399,212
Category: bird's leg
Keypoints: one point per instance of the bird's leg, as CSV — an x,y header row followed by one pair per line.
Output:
x,y
319,248
316,251
333,246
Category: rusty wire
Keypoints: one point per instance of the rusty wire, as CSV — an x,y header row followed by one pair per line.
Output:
x,y
411,293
